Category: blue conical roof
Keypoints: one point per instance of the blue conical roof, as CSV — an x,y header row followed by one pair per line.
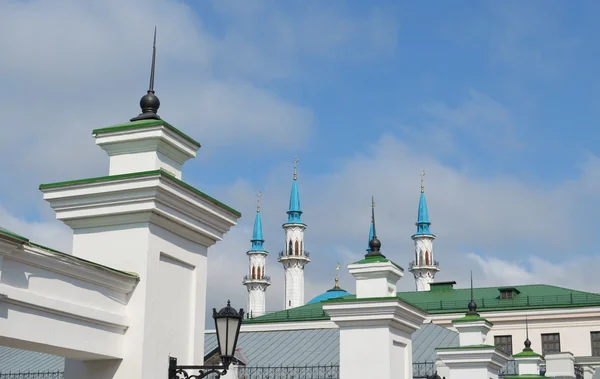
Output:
x,y
257,235
423,217
294,212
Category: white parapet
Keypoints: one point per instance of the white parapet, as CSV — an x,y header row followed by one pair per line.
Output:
x,y
560,365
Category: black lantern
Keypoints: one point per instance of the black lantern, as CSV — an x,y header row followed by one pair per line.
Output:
x,y
227,324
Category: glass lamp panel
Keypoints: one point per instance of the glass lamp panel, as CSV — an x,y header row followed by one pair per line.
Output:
x,y
221,325
232,331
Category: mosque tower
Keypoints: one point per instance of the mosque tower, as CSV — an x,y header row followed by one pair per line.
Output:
x,y
294,257
256,281
424,267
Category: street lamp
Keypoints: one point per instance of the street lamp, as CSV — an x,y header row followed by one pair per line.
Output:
x,y
227,323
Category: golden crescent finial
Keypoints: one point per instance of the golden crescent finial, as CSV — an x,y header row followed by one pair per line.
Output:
x,y
422,184
337,279
258,201
295,166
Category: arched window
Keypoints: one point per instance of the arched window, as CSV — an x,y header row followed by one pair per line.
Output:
x,y
296,249
258,275
301,248
290,248
426,257
253,272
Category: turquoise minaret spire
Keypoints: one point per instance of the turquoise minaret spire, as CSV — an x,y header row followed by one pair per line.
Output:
x,y
423,216
257,235
294,212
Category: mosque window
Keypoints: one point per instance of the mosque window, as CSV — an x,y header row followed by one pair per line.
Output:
x,y
296,250
253,272
595,344
550,343
426,257
508,292
290,248
258,274
504,343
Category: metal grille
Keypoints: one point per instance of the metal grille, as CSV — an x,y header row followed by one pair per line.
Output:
x,y
423,369
33,375
509,369
578,372
306,372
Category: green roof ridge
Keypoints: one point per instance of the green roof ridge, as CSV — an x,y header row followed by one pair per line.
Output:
x,y
143,124
26,241
375,259
139,175
527,354
471,318
7,232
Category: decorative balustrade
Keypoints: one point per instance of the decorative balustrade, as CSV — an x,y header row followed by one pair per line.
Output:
x,y
264,278
414,264
282,254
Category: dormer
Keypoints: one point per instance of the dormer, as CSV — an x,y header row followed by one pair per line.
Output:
x,y
507,293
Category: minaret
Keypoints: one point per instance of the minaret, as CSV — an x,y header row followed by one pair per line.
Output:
x,y
294,257
256,281
424,266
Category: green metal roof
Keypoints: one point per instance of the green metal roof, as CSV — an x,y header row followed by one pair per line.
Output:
x,y
538,296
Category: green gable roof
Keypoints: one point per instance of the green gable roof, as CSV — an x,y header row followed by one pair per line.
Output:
x,y
538,296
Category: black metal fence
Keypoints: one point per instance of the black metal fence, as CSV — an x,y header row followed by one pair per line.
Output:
x,y
32,375
578,372
422,370
290,372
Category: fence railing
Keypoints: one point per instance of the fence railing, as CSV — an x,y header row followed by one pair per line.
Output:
x,y
290,372
578,372
423,369
517,301
264,278
282,254
509,369
32,375
414,264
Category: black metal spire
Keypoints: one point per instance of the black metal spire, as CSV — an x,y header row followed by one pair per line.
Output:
x,y
472,303
374,244
527,341
149,102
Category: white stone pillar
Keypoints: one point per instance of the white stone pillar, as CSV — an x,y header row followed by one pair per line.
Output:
x,y
474,358
375,328
560,365
142,218
588,372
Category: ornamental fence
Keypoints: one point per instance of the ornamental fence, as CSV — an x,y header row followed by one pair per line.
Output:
x,y
290,372
32,375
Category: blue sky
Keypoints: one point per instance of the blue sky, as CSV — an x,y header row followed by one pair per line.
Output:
x,y
497,101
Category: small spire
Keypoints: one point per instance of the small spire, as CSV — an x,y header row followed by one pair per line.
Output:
x,y
337,279
149,102
258,201
472,303
423,214
374,244
294,212
295,168
527,341
422,185
370,234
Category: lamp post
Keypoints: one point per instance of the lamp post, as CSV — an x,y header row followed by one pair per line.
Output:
x,y
227,324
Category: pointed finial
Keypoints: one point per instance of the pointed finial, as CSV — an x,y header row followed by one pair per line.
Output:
x,y
472,303
258,201
422,184
527,341
149,102
374,244
337,279
295,167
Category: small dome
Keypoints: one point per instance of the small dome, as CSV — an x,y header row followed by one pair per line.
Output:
x,y
331,294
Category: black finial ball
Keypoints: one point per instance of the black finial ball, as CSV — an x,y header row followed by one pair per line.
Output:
x,y
149,103
472,306
375,244
527,344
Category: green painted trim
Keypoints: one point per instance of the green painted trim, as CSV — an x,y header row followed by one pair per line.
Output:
x,y
527,354
472,318
376,259
144,124
291,319
99,179
140,175
471,347
72,257
13,235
